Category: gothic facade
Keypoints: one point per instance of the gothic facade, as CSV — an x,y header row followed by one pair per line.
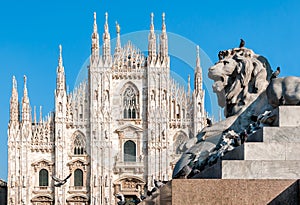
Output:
x,y
116,132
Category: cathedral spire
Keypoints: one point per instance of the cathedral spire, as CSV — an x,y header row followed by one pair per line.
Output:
x,y
163,40
14,103
106,40
118,42
60,60
95,41
34,114
198,96
151,41
198,72
25,95
60,78
25,103
41,115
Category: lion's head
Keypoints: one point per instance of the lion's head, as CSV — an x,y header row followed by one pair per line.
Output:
x,y
240,76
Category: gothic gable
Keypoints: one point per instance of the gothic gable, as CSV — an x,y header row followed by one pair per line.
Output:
x,y
42,199
129,131
78,198
77,163
42,164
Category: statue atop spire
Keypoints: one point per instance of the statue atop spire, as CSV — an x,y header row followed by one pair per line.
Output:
x,y
152,22
163,22
60,78
25,103
118,29
106,41
14,102
163,40
41,115
198,72
60,62
95,23
198,57
118,42
95,40
106,22
25,87
151,41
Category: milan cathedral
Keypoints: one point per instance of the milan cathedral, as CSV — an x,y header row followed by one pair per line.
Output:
x,y
114,133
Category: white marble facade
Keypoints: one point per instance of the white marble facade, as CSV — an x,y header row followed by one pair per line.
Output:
x,y
116,132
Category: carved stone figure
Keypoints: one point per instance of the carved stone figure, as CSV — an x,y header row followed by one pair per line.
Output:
x,y
239,78
284,91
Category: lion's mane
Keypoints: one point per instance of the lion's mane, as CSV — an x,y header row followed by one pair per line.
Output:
x,y
240,76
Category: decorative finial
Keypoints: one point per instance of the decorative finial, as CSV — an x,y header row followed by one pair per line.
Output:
x,y
118,27
106,18
60,50
60,56
14,82
163,22
95,16
152,17
41,115
25,80
198,57
34,114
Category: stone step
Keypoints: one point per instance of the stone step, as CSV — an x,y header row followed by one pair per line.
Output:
x,y
276,134
260,169
288,116
264,151
271,151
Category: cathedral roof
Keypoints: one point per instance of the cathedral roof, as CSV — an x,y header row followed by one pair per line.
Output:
x,y
129,58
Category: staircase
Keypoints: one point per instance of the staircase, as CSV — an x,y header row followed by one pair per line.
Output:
x,y
270,153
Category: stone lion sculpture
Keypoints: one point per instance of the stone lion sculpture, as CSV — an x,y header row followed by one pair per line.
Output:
x,y
284,91
240,76
240,80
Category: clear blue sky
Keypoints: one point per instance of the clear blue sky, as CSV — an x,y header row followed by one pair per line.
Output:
x,y
30,32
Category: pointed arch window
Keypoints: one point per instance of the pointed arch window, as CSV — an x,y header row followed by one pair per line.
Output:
x,y
78,177
43,177
130,103
129,151
79,145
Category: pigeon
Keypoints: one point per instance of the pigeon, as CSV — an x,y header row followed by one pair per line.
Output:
x,y
159,183
244,136
221,55
276,73
209,122
242,43
142,197
60,182
281,101
149,193
121,197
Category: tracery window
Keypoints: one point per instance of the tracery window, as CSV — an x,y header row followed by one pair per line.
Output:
x,y
43,177
130,103
129,151
78,177
79,145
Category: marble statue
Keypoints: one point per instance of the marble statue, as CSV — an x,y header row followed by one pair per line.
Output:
x,y
284,91
243,87
239,77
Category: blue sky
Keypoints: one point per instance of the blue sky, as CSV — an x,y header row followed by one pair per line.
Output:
x,y
32,30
